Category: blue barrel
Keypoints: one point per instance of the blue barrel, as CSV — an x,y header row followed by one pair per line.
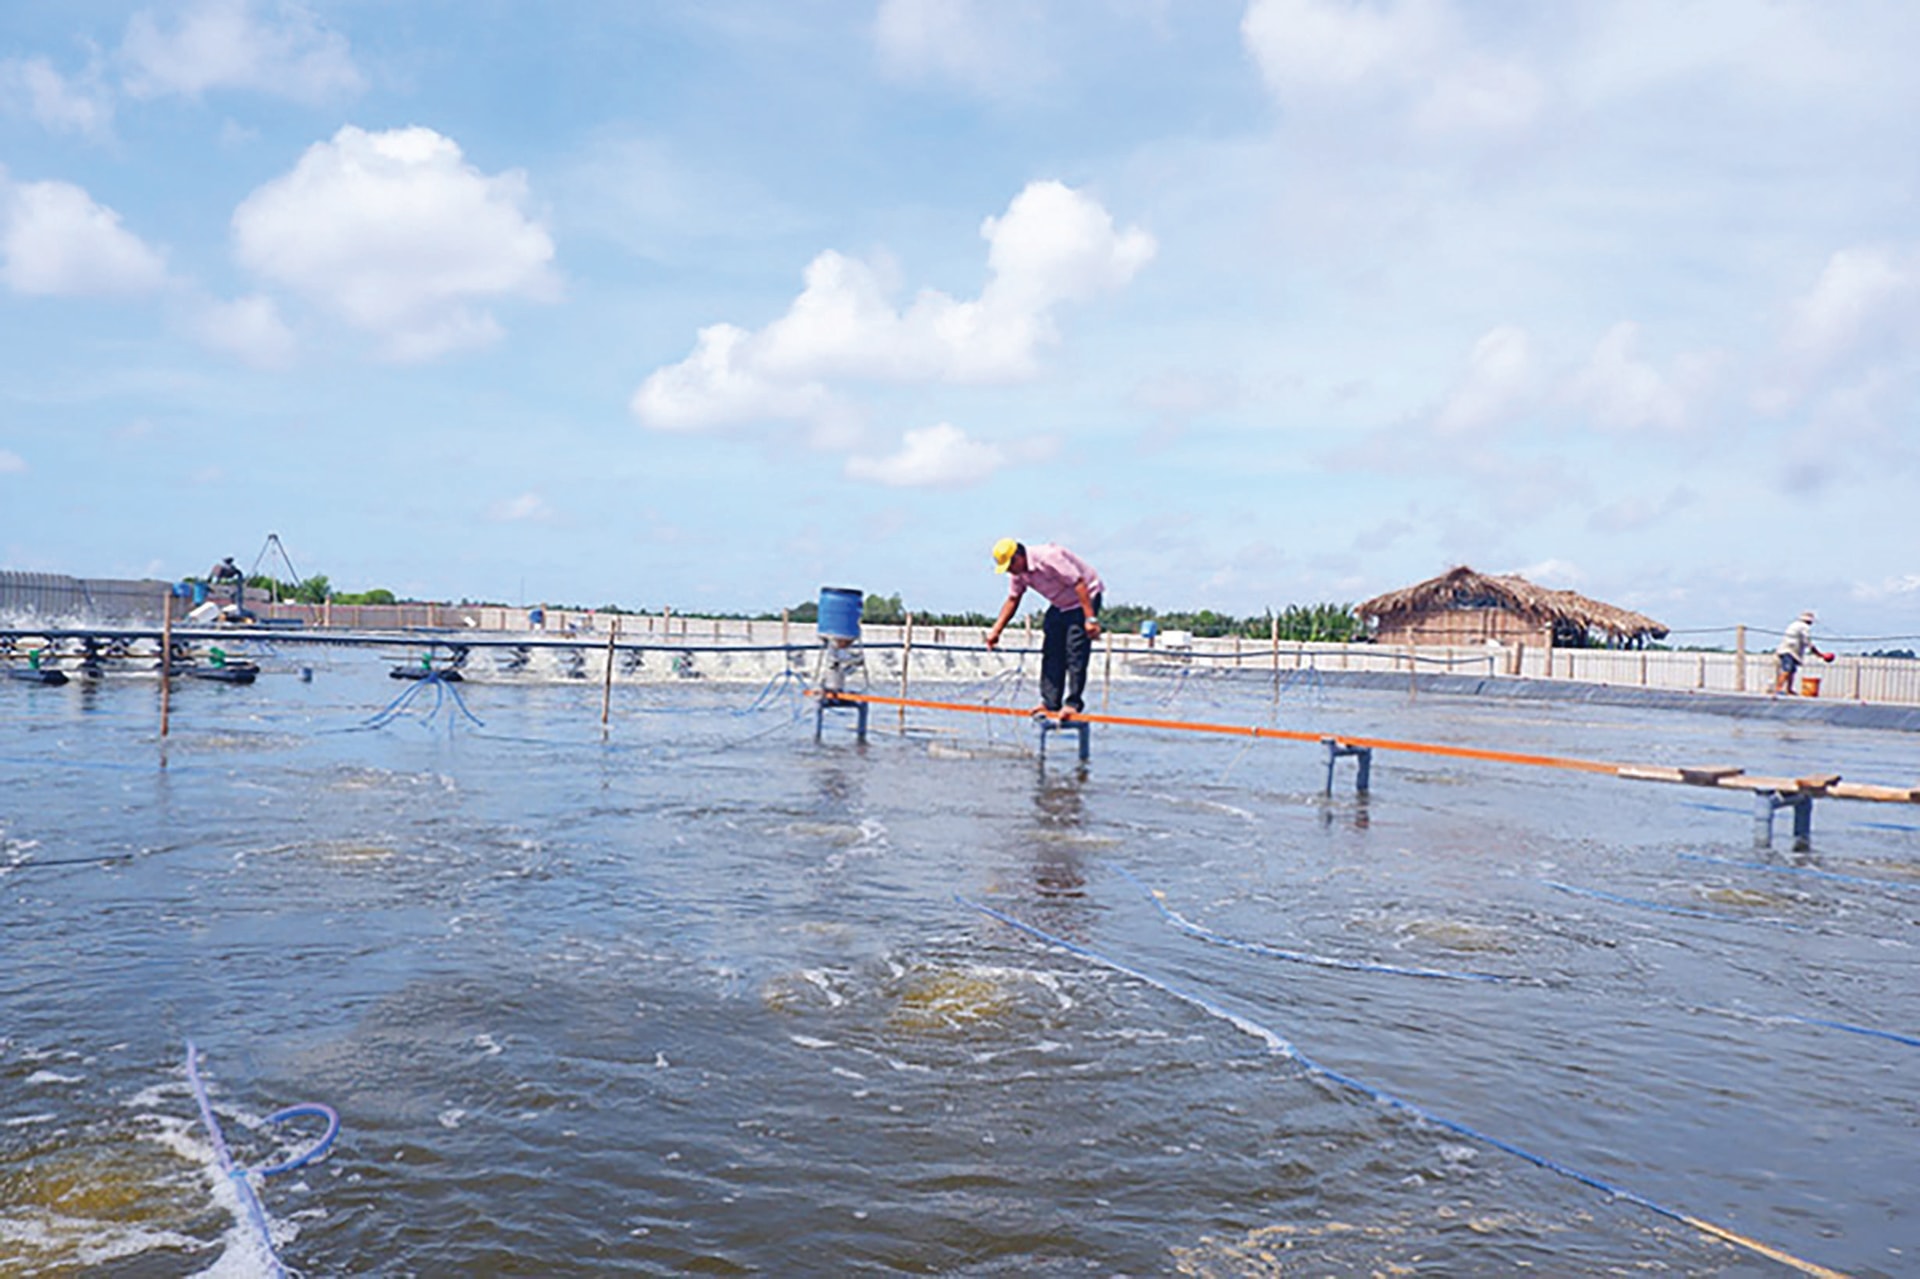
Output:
x,y
1149,628
839,613
199,593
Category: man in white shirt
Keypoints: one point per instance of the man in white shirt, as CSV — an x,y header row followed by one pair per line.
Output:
x,y
1794,646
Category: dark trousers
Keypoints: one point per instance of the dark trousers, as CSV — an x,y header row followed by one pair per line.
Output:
x,y
1063,657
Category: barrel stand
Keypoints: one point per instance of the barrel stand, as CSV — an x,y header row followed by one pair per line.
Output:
x,y
828,702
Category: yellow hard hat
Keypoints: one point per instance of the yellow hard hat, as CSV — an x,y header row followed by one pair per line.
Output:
x,y
1003,552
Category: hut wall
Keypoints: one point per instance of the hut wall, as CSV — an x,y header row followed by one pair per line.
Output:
x,y
1460,626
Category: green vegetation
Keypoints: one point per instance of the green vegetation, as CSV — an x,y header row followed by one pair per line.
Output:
x,y
1330,623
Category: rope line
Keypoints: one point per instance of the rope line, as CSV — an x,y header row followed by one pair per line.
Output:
x,y
1811,871
1285,1048
1186,925
1692,912
1852,1029
1254,730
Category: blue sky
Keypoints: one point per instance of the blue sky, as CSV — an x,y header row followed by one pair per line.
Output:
x,y
711,304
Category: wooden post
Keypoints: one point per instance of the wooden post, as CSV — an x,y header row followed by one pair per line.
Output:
x,y
606,689
1273,634
1740,658
1643,668
1106,678
166,661
906,656
786,625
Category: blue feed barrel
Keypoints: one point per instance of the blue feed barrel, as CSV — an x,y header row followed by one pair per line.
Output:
x,y
839,613
199,594
1149,628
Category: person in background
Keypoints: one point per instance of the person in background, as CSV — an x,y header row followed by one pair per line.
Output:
x,y
1072,591
227,571
1792,653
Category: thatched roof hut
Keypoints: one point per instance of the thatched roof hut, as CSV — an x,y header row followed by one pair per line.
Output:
x,y
1464,607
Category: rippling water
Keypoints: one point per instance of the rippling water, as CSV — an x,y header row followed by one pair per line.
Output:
x,y
706,996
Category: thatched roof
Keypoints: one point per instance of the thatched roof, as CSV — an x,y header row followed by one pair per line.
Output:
x,y
1464,588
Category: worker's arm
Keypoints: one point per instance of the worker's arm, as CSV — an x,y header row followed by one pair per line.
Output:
x,y
1000,622
1086,608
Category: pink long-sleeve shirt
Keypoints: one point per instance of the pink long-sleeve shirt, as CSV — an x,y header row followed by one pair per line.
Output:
x,y
1052,571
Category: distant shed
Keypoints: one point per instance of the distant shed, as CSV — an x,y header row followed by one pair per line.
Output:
x,y
1464,607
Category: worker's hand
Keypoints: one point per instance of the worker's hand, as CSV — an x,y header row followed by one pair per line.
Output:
x,y
1828,656
1093,629
993,639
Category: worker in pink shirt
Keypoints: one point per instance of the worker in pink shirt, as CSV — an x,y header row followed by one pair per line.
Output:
x,y
1072,590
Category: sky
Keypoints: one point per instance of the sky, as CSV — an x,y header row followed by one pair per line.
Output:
x,y
711,303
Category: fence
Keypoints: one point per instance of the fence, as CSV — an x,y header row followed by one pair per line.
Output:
x,y
55,596
1850,678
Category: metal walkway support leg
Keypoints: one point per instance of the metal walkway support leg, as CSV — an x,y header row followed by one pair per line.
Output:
x,y
1050,726
1363,764
1768,802
830,703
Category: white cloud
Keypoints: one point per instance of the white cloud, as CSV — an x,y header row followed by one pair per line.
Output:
x,y
939,456
1860,295
1321,44
80,106
399,236
248,327
1624,392
1638,510
58,243
716,386
1481,95
223,44
1552,572
1406,55
528,507
989,50
1888,588
1499,378
1053,245
12,463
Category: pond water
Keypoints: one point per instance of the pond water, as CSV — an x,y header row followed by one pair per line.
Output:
x,y
701,995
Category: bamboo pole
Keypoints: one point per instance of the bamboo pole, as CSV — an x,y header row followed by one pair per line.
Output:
x,y
1740,657
786,626
606,689
166,661
906,658
1106,677
1273,629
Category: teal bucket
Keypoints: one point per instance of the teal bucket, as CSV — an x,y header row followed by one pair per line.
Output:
x,y
839,613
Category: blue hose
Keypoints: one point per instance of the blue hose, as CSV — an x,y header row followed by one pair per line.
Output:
x,y
256,1212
